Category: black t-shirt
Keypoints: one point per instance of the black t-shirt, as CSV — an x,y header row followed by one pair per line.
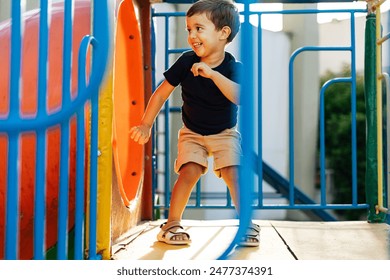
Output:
x,y
205,109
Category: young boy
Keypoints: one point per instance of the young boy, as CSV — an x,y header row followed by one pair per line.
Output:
x,y
209,79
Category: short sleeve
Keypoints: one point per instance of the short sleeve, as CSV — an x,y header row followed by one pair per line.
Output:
x,y
180,68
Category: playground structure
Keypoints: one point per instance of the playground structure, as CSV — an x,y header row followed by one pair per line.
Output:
x,y
46,149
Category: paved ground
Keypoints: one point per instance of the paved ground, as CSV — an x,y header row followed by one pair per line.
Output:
x,y
280,240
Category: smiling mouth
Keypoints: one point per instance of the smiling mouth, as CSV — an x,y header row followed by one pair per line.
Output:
x,y
197,45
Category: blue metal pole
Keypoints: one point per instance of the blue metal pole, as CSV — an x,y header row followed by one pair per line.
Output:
x,y
353,109
154,140
12,206
322,146
291,129
64,160
166,125
246,170
40,178
80,183
260,114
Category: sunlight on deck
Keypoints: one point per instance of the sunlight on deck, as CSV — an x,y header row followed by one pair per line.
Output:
x,y
279,240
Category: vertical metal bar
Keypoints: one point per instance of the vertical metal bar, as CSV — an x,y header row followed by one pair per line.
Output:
x,y
12,208
80,181
246,170
12,204
166,124
80,160
386,106
260,114
198,201
353,113
16,54
370,98
67,51
155,126
291,131
64,160
43,57
322,146
40,178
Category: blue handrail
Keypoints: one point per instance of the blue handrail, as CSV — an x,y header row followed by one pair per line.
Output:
x,y
14,124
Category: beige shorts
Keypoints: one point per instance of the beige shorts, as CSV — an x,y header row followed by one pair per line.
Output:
x,y
225,147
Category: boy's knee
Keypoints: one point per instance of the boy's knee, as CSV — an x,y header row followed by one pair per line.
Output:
x,y
191,170
229,172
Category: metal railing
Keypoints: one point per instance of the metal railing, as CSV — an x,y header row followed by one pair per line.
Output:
x,y
93,53
296,199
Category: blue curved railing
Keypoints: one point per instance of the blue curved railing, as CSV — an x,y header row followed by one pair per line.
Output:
x,y
14,124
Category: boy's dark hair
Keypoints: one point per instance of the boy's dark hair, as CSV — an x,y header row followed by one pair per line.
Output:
x,y
220,12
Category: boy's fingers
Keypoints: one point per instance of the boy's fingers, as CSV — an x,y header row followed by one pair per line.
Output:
x,y
138,135
133,132
195,69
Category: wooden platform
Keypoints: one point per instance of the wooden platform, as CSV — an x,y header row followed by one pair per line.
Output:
x,y
280,240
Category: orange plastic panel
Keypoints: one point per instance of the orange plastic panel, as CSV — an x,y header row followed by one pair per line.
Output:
x,y
128,98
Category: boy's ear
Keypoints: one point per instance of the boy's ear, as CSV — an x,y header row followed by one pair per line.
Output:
x,y
226,31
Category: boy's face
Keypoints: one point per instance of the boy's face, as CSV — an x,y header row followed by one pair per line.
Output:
x,y
203,37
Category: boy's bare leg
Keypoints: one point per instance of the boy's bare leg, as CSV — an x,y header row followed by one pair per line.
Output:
x,y
189,174
230,176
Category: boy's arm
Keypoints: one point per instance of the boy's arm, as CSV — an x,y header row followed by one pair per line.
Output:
x,y
230,89
142,132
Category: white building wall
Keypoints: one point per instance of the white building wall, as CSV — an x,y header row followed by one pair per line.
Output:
x,y
336,33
